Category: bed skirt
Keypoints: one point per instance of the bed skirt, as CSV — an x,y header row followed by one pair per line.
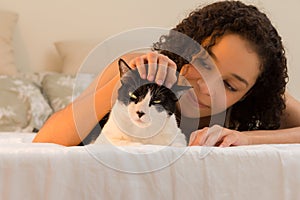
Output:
x,y
49,171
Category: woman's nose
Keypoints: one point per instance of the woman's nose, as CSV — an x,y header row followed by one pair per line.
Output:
x,y
213,86
203,87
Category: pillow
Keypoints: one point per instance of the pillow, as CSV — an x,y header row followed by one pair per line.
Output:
x,y
8,21
23,106
73,53
61,89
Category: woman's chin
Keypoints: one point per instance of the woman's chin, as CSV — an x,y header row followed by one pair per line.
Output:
x,y
192,110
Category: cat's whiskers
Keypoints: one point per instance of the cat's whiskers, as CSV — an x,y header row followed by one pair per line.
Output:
x,y
142,115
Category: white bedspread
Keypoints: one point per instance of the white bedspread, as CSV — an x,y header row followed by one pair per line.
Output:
x,y
48,171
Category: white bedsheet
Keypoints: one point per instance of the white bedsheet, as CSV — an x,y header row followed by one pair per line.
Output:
x,y
49,171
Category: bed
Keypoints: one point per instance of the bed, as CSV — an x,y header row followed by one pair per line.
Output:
x,y
50,171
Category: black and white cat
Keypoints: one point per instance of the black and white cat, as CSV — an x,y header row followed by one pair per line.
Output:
x,y
143,113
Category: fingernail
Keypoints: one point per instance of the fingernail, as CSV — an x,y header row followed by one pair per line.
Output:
x,y
143,76
206,145
168,85
192,138
150,78
159,82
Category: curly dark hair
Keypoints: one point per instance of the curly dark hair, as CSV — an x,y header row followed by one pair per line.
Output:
x,y
265,102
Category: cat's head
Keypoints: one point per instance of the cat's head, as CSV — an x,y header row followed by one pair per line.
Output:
x,y
146,101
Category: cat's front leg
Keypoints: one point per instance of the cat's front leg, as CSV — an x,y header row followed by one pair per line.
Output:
x,y
179,141
125,143
176,144
116,141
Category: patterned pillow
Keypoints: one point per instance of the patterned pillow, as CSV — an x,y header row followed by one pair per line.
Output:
x,y
22,106
61,89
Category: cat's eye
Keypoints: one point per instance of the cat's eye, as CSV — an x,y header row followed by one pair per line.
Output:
x,y
156,101
132,95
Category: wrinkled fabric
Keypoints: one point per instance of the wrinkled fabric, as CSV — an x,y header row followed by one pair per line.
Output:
x,y
49,171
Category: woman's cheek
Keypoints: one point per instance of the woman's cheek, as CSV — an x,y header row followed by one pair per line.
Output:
x,y
190,110
219,100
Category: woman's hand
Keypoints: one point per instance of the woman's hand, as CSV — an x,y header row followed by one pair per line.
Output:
x,y
161,69
218,136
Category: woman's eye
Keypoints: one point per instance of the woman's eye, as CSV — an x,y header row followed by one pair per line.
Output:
x,y
132,95
202,63
229,87
205,65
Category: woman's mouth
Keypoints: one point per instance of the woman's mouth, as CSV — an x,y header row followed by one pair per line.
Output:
x,y
194,100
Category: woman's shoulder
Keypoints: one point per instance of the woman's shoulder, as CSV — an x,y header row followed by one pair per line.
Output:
x,y
291,114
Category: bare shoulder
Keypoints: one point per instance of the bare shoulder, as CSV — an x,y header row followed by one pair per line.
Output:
x,y
291,115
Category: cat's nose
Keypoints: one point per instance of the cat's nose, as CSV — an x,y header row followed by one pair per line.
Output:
x,y
140,113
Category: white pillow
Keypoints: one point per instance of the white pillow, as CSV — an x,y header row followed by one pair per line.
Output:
x,y
8,21
73,53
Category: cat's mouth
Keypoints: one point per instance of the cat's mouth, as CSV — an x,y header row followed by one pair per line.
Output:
x,y
140,123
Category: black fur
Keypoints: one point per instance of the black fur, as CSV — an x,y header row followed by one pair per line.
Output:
x,y
132,83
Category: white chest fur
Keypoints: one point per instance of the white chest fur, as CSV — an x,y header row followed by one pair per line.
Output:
x,y
157,128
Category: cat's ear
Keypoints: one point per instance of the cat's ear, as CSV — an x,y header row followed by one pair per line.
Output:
x,y
123,67
179,90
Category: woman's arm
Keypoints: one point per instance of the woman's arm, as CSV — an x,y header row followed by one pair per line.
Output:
x,y
291,115
223,137
281,136
72,124
289,131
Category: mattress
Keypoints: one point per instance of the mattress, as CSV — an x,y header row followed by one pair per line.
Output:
x,y
50,171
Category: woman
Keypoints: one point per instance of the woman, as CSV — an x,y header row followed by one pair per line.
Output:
x,y
249,56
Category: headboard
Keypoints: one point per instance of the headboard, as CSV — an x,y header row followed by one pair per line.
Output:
x,y
43,26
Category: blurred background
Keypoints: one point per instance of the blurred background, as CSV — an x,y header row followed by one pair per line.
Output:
x,y
42,23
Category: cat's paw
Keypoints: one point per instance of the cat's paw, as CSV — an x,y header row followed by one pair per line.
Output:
x,y
126,143
177,144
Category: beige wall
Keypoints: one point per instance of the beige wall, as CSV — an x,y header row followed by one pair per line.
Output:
x,y
43,22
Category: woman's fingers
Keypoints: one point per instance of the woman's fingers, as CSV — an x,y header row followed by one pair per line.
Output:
x,y
151,58
218,136
139,63
160,69
171,77
214,135
228,140
197,138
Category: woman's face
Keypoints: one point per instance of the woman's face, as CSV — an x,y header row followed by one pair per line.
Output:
x,y
221,79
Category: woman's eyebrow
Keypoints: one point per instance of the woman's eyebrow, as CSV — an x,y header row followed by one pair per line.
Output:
x,y
240,79
214,57
234,75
